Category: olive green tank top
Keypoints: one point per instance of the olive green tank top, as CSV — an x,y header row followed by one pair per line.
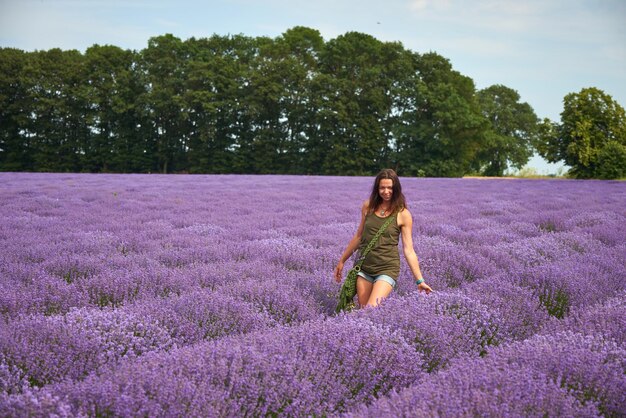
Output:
x,y
384,257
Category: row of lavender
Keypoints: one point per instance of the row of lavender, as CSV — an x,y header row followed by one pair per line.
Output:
x,y
341,364
114,281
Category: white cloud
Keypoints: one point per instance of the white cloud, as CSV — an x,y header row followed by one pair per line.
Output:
x,y
426,5
167,23
43,25
480,46
501,16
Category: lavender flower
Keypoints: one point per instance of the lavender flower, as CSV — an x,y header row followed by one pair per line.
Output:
x,y
441,326
315,368
51,349
139,295
562,375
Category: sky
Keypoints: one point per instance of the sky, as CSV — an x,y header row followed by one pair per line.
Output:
x,y
543,49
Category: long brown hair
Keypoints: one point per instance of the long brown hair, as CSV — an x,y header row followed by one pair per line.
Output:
x,y
398,202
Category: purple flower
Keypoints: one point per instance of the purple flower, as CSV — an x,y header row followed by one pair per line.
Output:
x,y
318,367
156,295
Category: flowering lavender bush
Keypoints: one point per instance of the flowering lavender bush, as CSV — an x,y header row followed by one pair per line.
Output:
x,y
566,374
212,296
314,368
49,349
441,326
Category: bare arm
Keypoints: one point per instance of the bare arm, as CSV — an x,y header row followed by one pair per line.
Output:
x,y
352,245
406,229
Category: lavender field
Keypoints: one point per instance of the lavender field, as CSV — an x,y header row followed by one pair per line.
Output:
x,y
148,295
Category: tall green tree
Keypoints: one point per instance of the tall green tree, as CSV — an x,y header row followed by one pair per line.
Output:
x,y
236,104
57,123
513,127
299,56
164,62
591,137
112,88
265,99
356,102
279,101
443,126
15,106
247,144
216,90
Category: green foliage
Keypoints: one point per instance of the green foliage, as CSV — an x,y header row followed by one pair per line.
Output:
x,y
513,127
55,119
357,103
14,102
591,137
294,104
612,161
115,142
556,301
439,128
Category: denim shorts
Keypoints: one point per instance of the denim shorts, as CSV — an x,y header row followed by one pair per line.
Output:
x,y
381,277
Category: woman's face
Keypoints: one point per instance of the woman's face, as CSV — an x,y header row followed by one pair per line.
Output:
x,y
385,189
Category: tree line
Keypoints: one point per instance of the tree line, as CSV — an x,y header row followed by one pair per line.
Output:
x,y
295,104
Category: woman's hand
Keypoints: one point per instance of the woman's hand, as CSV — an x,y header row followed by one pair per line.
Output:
x,y
423,287
338,272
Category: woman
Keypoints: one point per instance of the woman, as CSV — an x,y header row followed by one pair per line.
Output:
x,y
381,267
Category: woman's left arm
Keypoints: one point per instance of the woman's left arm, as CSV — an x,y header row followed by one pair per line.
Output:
x,y
406,229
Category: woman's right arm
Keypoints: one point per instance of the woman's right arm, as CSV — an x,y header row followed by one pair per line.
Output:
x,y
352,245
